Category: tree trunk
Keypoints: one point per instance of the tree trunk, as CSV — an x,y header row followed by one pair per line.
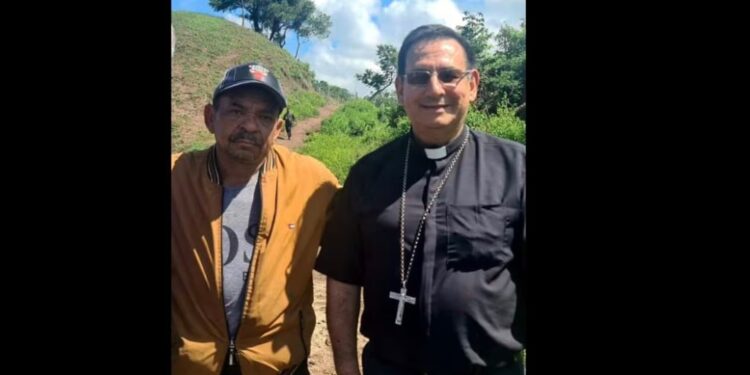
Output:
x,y
282,39
256,20
521,111
297,52
381,90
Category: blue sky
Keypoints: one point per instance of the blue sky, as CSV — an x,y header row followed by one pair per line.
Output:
x,y
360,25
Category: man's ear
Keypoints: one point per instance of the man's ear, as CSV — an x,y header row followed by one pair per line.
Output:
x,y
277,128
474,85
400,90
208,117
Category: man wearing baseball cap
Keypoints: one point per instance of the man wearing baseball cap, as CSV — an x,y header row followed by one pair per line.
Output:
x,y
247,218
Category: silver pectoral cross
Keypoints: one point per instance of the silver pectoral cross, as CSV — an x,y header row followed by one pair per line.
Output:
x,y
401,297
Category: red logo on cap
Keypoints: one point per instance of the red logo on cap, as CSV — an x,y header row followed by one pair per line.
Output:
x,y
258,73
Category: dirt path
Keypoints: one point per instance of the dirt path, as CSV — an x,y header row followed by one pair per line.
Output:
x,y
321,355
302,128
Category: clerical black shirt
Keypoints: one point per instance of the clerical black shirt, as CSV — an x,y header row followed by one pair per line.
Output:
x,y
467,274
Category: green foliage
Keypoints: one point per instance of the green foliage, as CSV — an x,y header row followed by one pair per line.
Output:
x,y
379,81
353,119
318,26
503,124
337,151
331,91
476,34
359,126
503,71
273,18
353,131
200,145
305,104
205,47
504,75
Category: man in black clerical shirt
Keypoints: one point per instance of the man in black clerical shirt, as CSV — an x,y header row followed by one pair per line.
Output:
x,y
431,227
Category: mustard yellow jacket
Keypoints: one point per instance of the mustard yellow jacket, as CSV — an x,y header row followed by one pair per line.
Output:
x,y
278,317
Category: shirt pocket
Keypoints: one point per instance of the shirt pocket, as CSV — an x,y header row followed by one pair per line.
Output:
x,y
480,236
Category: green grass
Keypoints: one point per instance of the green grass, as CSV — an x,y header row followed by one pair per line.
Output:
x,y
353,131
200,144
305,104
503,124
337,151
206,47
359,127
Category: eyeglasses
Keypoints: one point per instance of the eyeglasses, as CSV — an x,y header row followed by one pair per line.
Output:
x,y
447,77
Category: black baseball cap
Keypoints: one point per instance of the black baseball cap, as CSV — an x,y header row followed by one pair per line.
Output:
x,y
251,74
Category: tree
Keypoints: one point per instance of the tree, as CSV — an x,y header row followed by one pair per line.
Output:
x,y
387,60
285,15
318,25
506,71
511,42
274,18
503,70
477,35
332,91
253,10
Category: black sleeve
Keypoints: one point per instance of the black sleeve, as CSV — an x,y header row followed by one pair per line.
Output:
x,y
339,256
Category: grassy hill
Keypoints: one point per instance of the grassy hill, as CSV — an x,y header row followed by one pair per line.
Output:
x,y
207,46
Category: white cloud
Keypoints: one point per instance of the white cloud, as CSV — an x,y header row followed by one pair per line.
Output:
x,y
499,12
339,69
402,16
351,46
236,19
360,25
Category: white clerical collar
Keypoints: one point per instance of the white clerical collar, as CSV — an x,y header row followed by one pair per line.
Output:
x,y
441,152
436,153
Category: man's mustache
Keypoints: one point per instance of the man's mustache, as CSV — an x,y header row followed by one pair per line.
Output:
x,y
246,136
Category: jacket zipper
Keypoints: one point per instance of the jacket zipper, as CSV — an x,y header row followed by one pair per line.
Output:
x,y
232,352
232,347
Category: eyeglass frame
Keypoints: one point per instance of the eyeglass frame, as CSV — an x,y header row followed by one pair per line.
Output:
x,y
437,72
